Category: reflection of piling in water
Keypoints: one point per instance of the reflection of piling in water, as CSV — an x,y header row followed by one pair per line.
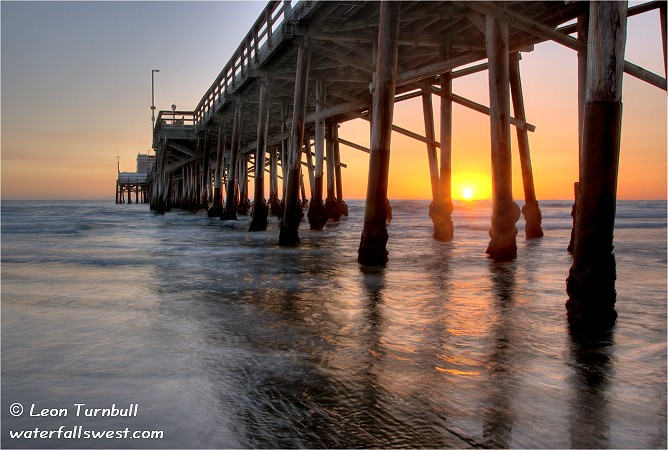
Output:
x,y
499,414
591,364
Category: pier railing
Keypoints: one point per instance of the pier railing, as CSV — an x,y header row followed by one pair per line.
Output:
x,y
265,35
181,123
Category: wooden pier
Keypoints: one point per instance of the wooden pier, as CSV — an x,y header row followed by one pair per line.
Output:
x,y
275,107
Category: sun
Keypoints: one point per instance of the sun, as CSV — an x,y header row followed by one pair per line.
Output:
x,y
469,186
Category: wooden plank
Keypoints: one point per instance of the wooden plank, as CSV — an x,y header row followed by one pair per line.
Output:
x,y
341,57
354,145
482,109
526,24
645,75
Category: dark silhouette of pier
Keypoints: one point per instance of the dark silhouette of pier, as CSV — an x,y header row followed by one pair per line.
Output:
x,y
274,109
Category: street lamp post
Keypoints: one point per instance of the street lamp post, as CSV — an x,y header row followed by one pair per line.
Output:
x,y
153,71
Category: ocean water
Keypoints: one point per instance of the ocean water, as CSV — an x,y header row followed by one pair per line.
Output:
x,y
223,339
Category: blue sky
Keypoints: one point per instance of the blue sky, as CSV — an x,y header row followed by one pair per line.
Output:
x,y
76,81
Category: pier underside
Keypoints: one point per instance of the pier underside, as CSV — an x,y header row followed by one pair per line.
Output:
x,y
273,112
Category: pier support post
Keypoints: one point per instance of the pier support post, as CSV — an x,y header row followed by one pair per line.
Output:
x,y
317,216
203,199
217,207
302,187
664,33
157,201
273,183
260,209
330,202
341,206
194,184
293,214
583,35
437,208
309,166
244,205
531,210
372,250
505,212
230,211
284,156
441,211
591,280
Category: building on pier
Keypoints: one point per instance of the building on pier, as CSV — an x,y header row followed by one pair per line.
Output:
x,y
135,182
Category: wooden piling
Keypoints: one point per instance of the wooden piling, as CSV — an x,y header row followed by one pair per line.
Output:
x,y
260,209
302,187
292,215
273,183
531,210
284,154
437,205
229,211
441,212
591,280
340,203
158,204
331,207
583,32
309,165
505,212
430,134
204,190
244,205
217,207
662,13
372,250
317,216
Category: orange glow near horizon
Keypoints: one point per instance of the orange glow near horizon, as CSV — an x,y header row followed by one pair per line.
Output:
x,y
73,153
471,186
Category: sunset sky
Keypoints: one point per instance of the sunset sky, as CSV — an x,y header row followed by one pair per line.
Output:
x,y
76,91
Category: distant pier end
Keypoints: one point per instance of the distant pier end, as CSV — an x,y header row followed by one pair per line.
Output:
x,y
129,183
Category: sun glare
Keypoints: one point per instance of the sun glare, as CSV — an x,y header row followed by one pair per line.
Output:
x,y
471,186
